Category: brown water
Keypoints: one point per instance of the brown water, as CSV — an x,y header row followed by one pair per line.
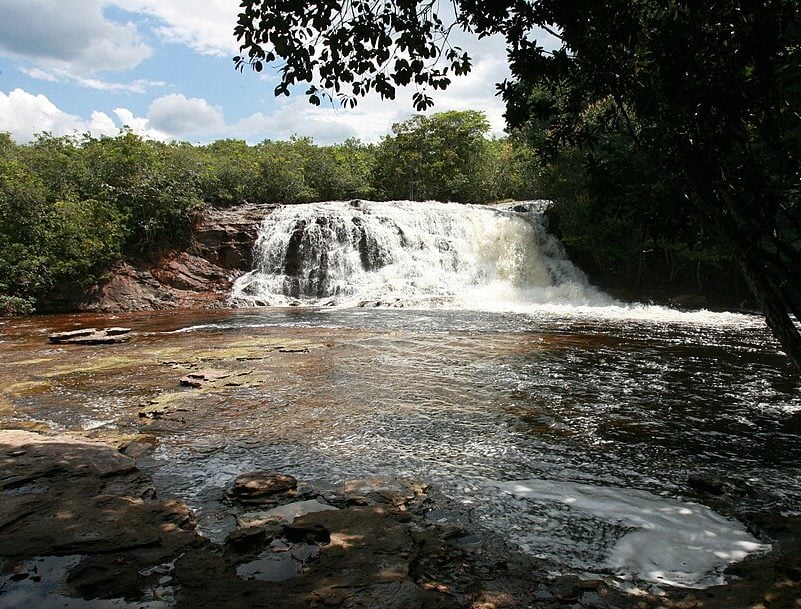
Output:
x,y
589,414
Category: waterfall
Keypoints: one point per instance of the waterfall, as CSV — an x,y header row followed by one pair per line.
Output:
x,y
404,253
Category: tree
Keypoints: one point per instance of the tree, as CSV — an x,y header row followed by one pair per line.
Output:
x,y
707,91
433,157
230,172
154,186
341,171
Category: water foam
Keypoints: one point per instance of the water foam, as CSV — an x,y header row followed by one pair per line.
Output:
x,y
665,541
403,253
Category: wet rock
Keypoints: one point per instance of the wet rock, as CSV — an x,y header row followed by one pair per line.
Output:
x,y
261,487
91,336
395,492
60,336
396,304
139,447
284,513
201,378
248,538
522,208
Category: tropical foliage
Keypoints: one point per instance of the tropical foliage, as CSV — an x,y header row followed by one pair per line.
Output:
x,y
705,92
71,207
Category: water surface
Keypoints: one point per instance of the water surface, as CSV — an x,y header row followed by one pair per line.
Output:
x,y
546,423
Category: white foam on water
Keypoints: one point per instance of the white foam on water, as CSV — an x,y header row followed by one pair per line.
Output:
x,y
666,541
407,251
433,255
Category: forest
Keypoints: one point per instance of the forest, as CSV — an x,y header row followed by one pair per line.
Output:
x,y
72,207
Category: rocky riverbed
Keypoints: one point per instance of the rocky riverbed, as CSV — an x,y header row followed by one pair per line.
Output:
x,y
86,506
82,526
87,522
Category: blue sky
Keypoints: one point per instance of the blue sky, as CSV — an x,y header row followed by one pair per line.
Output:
x,y
164,69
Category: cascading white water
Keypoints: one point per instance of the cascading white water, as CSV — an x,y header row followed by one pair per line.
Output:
x,y
404,253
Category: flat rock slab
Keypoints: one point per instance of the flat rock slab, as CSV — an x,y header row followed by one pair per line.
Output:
x,y
63,495
91,336
284,513
201,378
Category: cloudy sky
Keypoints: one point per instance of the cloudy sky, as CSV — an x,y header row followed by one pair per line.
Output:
x,y
164,69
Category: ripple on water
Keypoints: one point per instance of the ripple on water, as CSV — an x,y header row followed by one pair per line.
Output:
x,y
616,412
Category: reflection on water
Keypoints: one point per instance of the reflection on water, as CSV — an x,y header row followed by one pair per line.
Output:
x,y
585,401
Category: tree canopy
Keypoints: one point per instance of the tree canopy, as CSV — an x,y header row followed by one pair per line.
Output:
x,y
72,207
707,92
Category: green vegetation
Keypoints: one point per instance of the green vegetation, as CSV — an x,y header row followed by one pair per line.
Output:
x,y
688,109
72,207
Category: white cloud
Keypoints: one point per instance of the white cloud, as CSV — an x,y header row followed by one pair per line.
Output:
x,y
55,75
206,27
102,124
139,125
169,117
176,115
71,36
23,115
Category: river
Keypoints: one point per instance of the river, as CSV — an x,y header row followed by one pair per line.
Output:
x,y
594,434
564,432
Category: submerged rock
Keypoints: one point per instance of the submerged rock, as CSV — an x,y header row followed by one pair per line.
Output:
x,y
395,492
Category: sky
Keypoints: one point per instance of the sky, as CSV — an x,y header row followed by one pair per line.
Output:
x,y
164,69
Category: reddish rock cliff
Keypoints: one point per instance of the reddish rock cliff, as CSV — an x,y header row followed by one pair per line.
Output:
x,y
221,250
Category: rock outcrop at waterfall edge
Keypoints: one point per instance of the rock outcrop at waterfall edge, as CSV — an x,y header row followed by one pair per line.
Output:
x,y
201,277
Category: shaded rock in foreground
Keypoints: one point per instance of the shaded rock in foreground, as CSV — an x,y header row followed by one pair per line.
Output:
x,y
70,496
261,487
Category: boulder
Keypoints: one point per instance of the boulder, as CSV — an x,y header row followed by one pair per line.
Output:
x,y
63,495
261,487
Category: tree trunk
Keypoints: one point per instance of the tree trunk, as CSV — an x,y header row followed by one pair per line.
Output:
x,y
773,307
